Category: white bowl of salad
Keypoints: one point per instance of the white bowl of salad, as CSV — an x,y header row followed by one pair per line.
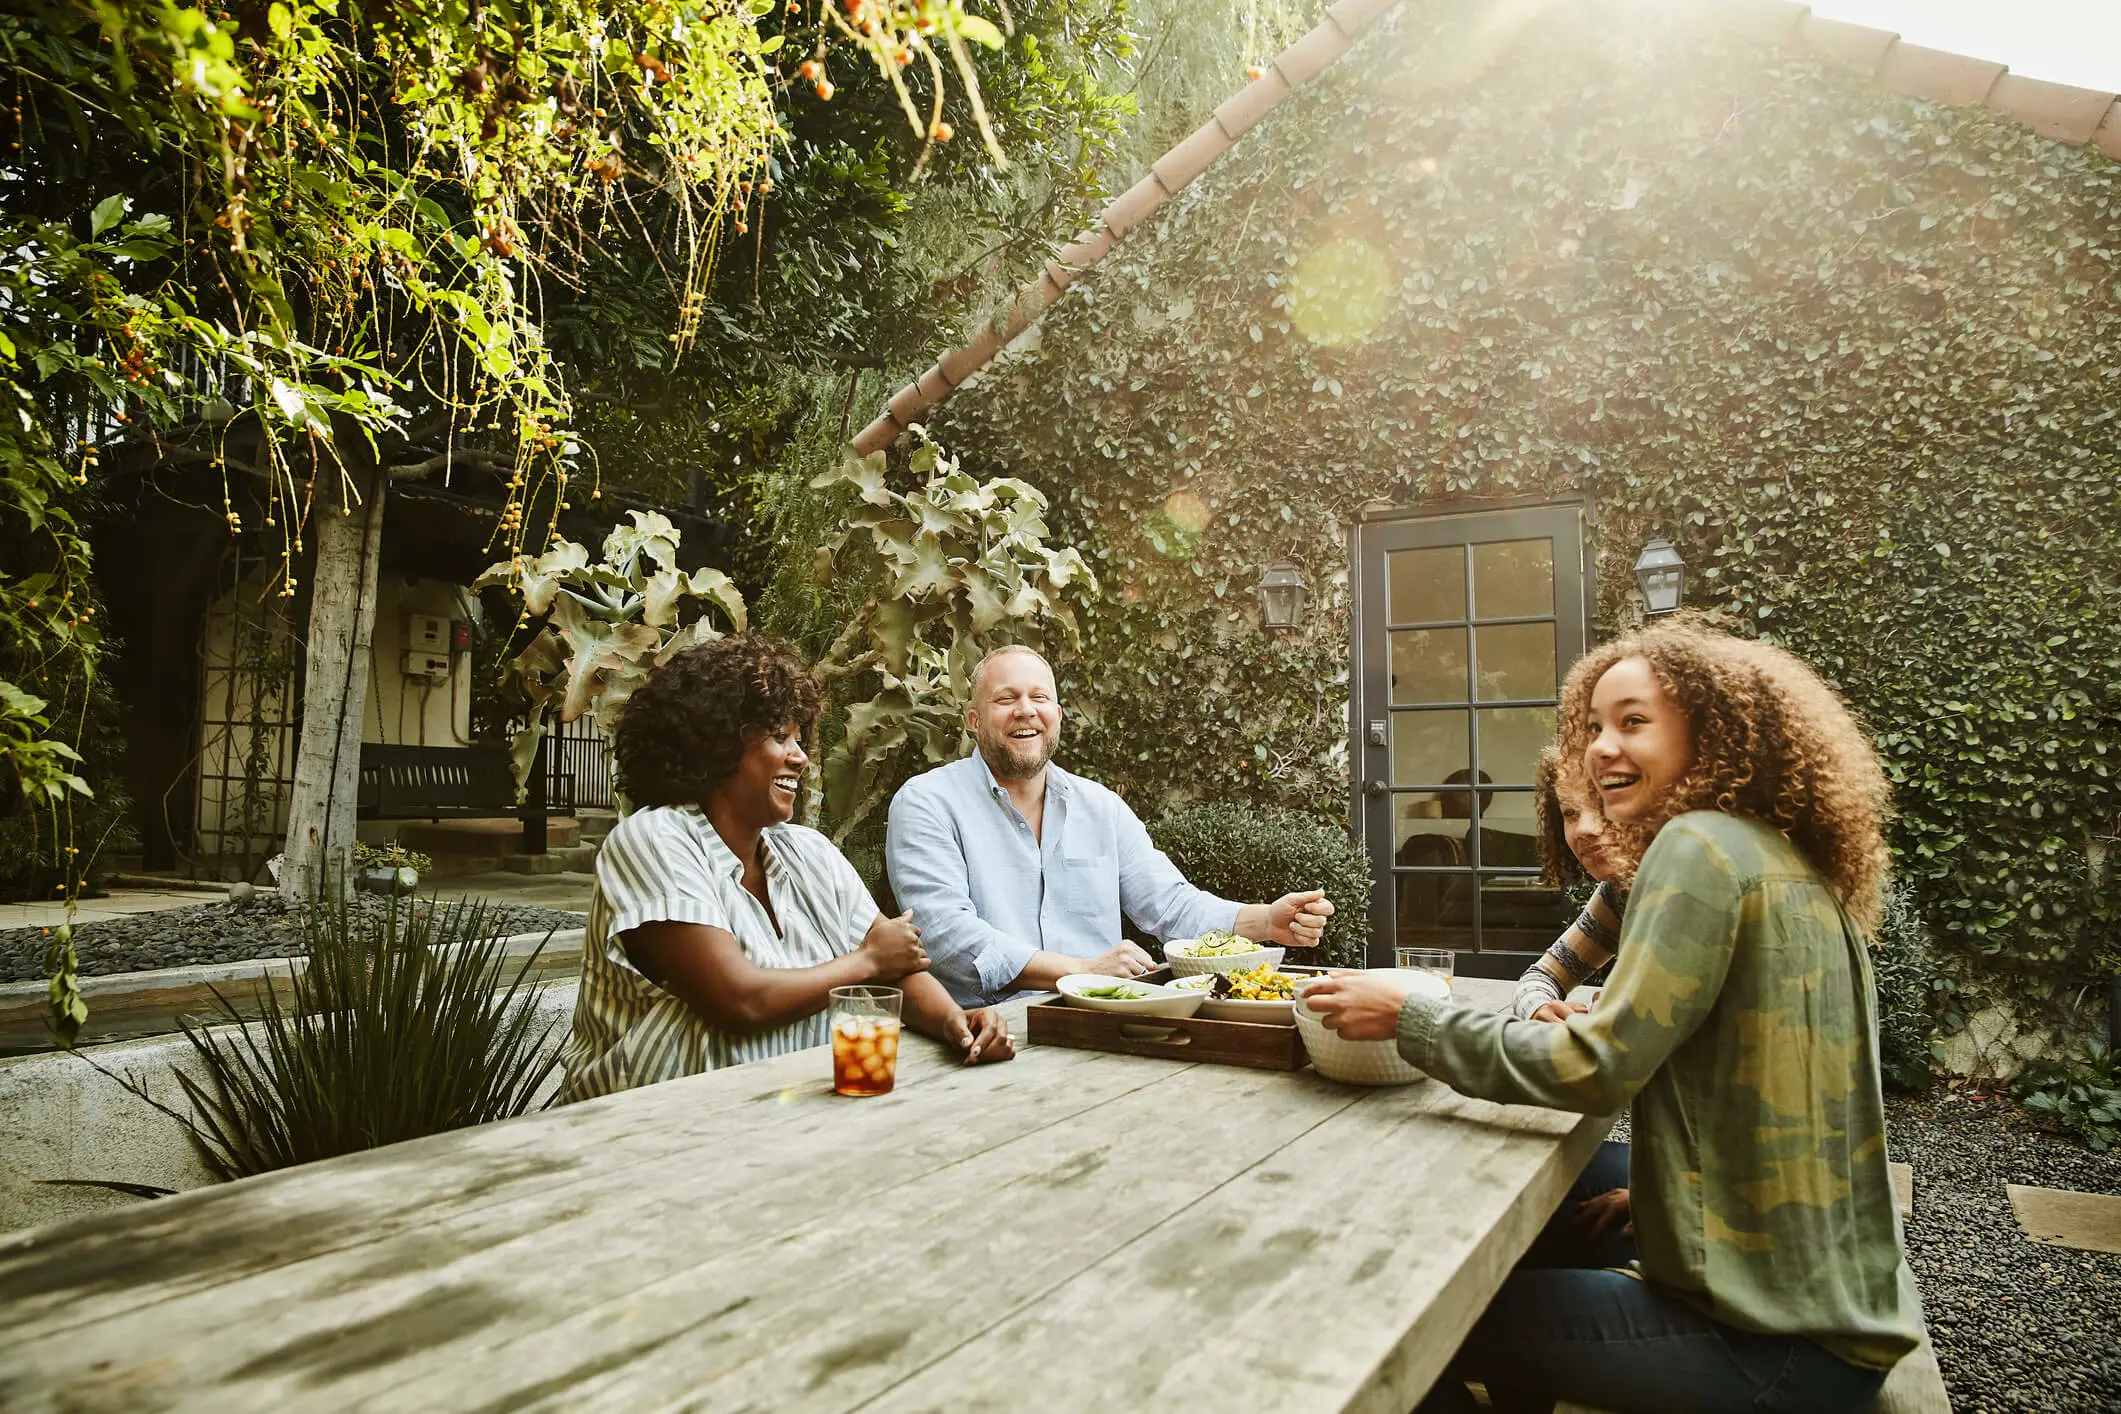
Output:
x,y
1098,992
1217,951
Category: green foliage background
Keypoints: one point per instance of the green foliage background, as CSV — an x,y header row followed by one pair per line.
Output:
x,y
1257,854
1858,356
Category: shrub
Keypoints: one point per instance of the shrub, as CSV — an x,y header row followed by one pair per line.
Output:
x,y
1909,981
390,1035
1257,854
2077,1096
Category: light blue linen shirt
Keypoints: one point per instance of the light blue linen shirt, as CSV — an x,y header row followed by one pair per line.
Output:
x,y
986,893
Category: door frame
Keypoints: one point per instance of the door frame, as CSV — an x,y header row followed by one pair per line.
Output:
x,y
1361,532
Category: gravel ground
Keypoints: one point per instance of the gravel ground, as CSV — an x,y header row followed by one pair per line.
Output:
x,y
214,932
2019,1326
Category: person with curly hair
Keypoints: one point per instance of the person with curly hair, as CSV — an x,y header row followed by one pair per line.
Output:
x,y
1576,842
717,928
1739,1025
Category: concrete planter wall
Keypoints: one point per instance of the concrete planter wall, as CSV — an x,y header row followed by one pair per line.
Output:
x,y
61,1118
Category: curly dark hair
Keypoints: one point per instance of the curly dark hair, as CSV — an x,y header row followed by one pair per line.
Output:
x,y
1771,741
683,731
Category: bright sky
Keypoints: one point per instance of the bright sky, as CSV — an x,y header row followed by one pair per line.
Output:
x,y
2067,41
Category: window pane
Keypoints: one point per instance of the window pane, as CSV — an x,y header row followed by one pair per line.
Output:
x,y
1427,586
1435,910
1520,914
1428,746
1516,660
1507,837
1429,829
1428,665
1513,579
1511,739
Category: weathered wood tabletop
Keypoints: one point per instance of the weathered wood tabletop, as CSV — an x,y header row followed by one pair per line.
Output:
x,y
1069,1231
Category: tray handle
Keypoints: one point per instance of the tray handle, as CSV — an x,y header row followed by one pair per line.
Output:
x,y
1154,1035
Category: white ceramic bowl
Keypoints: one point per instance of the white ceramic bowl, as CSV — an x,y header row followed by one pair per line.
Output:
x,y
1161,1001
1184,964
1364,1062
1237,1009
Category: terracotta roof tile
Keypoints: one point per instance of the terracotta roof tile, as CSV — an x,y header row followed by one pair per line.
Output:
x,y
1312,55
933,385
1251,103
1938,76
960,364
908,403
1177,168
2053,110
1088,248
877,435
2109,135
1030,303
1764,19
1352,17
1133,206
1858,46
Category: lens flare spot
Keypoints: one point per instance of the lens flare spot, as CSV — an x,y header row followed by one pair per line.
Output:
x,y
1187,511
1338,292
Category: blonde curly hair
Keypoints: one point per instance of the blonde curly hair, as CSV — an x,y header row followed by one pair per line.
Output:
x,y
1771,740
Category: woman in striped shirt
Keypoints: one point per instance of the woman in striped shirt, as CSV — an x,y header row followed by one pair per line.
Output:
x,y
1576,841
717,928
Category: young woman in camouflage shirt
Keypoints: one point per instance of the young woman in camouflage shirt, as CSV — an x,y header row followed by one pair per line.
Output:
x,y
1740,1026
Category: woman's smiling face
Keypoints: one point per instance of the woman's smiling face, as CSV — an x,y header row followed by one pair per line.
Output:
x,y
762,790
1641,742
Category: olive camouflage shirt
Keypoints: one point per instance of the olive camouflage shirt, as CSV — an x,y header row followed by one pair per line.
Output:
x,y
1740,1022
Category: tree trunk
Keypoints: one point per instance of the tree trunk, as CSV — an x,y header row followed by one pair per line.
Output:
x,y
342,620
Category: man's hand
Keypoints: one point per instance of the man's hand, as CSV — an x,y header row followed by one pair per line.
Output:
x,y
893,946
1297,920
982,1035
1600,1213
1126,960
1556,1011
1359,1006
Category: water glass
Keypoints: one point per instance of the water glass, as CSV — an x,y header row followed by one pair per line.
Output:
x,y
865,1032
1436,960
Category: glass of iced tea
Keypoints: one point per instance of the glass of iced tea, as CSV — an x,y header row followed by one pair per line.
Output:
x,y
865,1029
1436,960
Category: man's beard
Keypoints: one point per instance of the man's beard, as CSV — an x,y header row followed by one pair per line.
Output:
x,y
1007,765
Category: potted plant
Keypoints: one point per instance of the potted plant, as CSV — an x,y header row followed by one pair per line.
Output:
x,y
388,868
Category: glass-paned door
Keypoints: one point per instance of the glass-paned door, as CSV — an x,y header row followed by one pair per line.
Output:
x,y
1465,624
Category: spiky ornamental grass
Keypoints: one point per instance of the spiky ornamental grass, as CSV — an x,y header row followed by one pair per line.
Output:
x,y
389,1034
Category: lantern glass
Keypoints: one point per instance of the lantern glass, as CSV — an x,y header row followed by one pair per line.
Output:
x,y
1281,596
1661,575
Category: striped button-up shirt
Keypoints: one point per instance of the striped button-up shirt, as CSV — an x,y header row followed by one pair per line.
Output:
x,y
669,865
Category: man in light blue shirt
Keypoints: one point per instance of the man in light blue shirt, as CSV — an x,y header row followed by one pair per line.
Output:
x,y
1017,872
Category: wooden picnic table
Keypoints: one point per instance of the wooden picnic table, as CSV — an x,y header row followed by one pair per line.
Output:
x,y
1073,1230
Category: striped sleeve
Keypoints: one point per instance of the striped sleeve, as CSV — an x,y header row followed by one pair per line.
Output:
x,y
652,871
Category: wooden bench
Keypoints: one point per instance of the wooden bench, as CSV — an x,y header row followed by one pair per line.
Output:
x,y
452,783
1916,1386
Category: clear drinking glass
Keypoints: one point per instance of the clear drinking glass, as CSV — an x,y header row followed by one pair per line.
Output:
x,y
1436,960
865,1031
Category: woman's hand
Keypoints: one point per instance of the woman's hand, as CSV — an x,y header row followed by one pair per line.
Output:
x,y
982,1035
1358,1006
1556,1011
893,947
1600,1213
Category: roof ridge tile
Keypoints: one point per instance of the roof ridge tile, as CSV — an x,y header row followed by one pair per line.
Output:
x,y
2059,111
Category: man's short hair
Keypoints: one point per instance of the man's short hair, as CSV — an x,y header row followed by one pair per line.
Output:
x,y
1003,651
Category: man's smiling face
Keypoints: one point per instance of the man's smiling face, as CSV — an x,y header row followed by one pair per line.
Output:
x,y
1015,715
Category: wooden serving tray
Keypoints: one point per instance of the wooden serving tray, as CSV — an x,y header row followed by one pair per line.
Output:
x,y
1259,1045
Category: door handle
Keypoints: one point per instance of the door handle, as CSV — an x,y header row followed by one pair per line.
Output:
x,y
1374,788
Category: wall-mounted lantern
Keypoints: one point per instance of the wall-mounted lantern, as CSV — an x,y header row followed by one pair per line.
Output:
x,y
1662,576
1282,592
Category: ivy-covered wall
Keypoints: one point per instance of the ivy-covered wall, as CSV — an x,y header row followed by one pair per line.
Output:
x,y
1857,355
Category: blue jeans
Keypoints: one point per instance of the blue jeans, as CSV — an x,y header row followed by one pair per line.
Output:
x,y
1564,1328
